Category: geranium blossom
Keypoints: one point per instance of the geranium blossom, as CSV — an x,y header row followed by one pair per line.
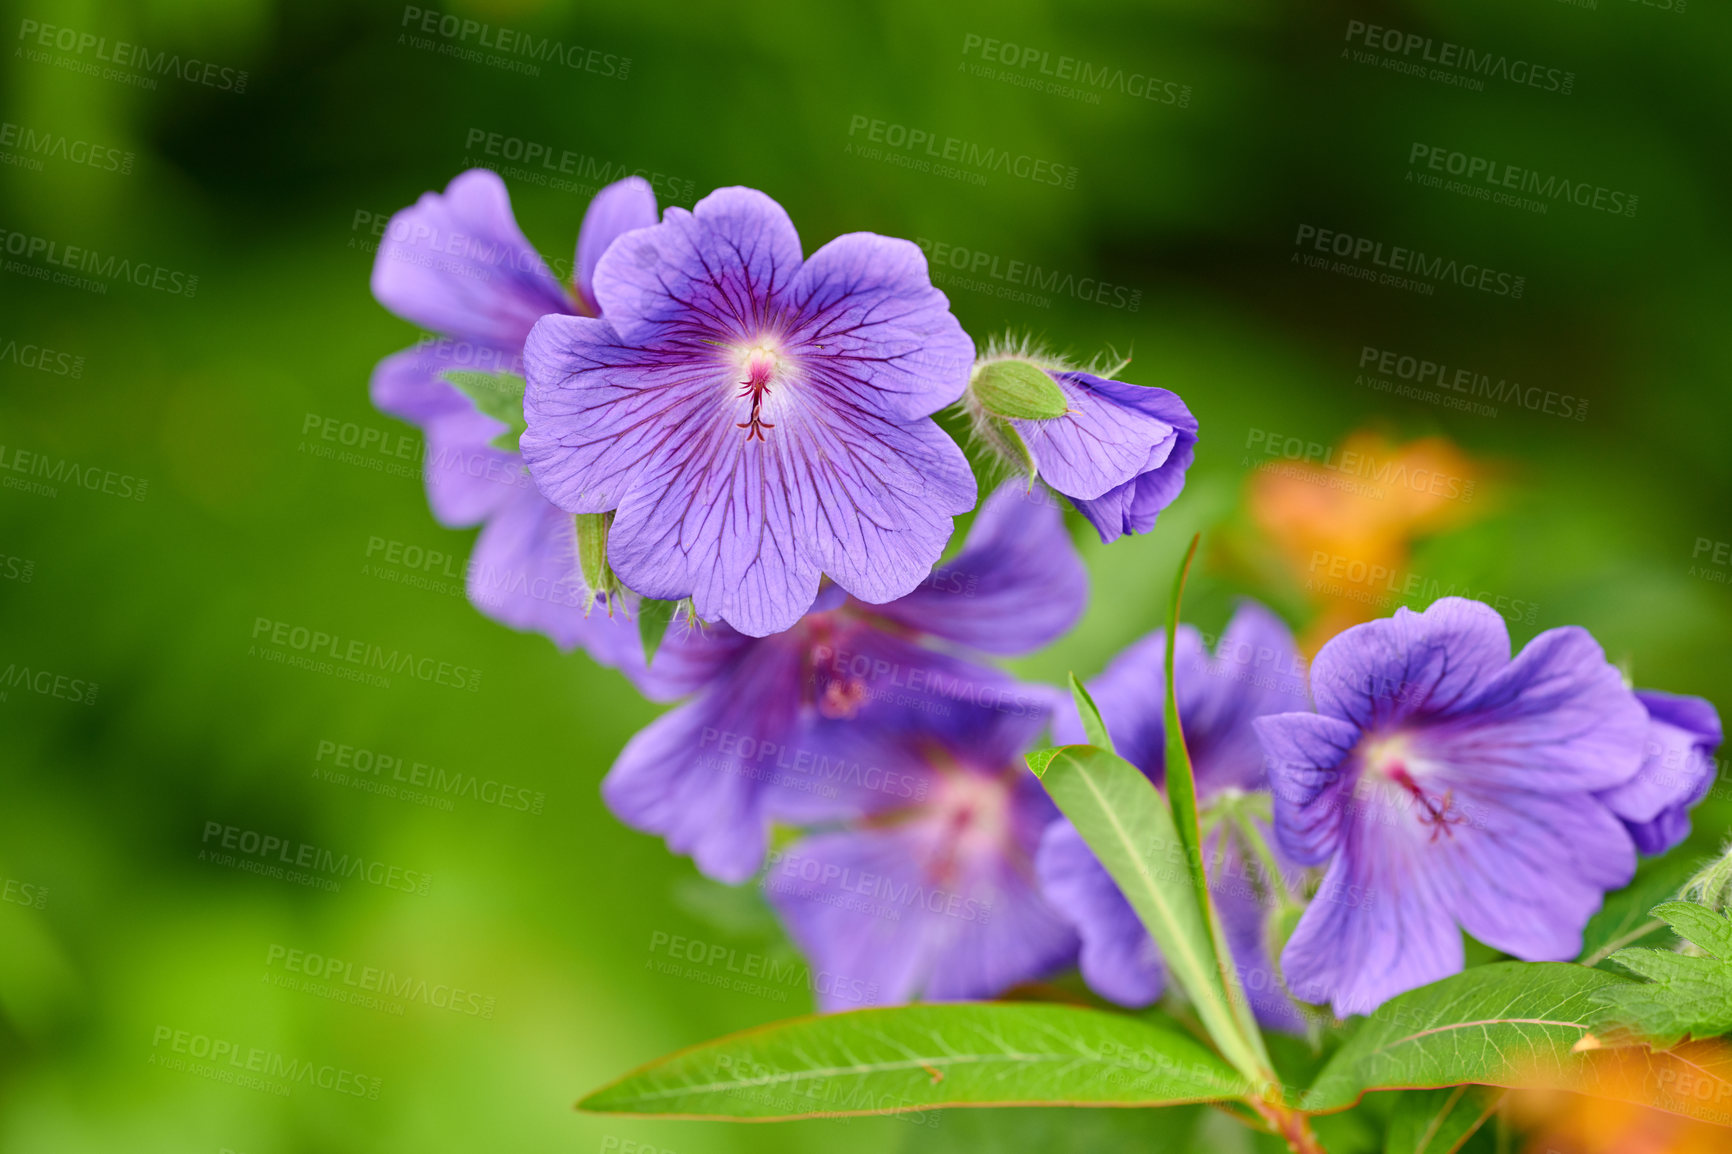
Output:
x,y
756,420
1448,788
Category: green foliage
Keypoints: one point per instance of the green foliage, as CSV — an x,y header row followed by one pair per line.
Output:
x,y
1509,1023
1125,821
1093,727
1681,994
1438,1121
923,1057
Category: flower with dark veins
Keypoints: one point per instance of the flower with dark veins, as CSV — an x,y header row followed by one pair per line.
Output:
x,y
1449,787
755,420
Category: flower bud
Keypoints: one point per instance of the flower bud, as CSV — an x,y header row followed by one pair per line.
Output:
x,y
1018,390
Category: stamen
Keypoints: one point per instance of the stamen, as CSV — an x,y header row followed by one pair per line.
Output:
x,y
1439,814
756,384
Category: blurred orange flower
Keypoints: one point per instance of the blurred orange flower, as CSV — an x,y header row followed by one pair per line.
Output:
x,y
1344,518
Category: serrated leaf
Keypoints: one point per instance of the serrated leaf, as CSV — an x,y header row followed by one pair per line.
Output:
x,y
652,624
1699,925
497,395
1093,727
1505,1024
922,1057
1682,996
1126,823
1438,1121
1018,390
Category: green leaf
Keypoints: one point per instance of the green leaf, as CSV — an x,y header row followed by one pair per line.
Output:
x,y
1124,820
497,395
1181,785
652,624
1624,919
592,551
1506,1024
1018,390
1684,995
1438,1121
921,1057
1093,727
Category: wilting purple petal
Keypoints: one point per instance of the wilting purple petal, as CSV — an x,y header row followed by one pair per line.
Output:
x,y
457,263
616,210
1017,584
1677,770
1456,788
755,421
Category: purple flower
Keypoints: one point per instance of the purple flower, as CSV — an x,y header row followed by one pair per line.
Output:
x,y
457,264
1449,788
1255,670
932,897
755,420
805,725
1677,770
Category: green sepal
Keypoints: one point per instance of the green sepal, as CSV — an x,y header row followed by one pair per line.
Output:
x,y
653,618
592,551
1018,390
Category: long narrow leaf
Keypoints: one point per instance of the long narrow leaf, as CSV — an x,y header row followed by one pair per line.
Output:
x,y
1126,823
923,1057
1181,785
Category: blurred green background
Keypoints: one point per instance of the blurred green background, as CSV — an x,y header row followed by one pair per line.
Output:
x,y
160,719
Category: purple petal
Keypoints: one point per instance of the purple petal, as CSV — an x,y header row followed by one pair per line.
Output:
x,y
884,496
1430,662
903,911
1527,870
616,210
1377,927
524,572
1017,585
1119,959
1130,694
721,270
596,411
723,522
1677,771
1135,505
1112,433
1556,718
457,263
1304,756
696,775
873,325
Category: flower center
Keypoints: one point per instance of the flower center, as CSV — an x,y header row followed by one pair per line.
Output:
x,y
971,812
760,366
1393,760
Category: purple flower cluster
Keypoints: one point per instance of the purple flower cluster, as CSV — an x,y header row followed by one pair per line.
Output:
x,y
753,429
